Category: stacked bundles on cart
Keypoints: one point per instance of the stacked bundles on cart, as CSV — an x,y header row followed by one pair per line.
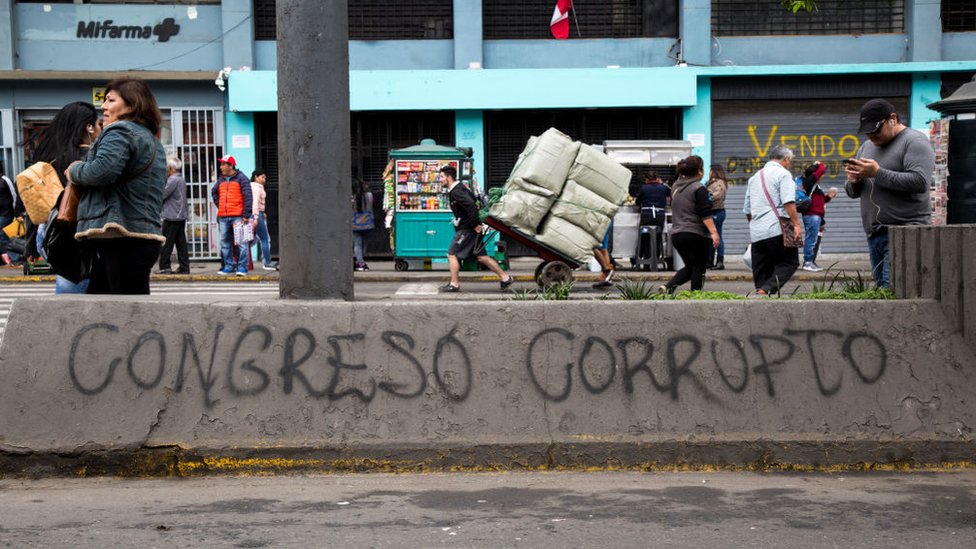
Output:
x,y
564,193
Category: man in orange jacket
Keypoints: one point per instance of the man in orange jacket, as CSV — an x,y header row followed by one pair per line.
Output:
x,y
232,195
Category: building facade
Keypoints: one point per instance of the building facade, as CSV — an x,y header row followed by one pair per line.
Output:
x,y
734,77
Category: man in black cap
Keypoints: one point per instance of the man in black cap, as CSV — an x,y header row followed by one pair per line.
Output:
x,y
891,174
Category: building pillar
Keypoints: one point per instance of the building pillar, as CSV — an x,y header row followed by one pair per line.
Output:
x,y
697,122
315,217
469,131
238,29
695,31
240,140
926,89
923,25
7,35
468,33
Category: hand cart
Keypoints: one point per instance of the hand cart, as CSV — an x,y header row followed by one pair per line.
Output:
x,y
555,268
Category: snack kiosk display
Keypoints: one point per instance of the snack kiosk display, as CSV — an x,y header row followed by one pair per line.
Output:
x,y
422,215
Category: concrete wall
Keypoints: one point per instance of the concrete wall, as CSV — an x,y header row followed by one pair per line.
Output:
x,y
505,384
938,263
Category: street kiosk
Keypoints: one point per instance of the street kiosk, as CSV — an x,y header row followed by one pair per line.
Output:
x,y
422,214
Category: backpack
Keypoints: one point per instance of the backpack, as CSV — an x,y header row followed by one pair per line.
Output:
x,y
803,200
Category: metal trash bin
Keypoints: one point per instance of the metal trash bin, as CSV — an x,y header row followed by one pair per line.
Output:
x,y
647,250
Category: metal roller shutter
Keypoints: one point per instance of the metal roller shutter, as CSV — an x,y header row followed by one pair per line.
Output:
x,y
816,129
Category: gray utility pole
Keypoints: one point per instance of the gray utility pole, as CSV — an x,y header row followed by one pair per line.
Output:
x,y
315,189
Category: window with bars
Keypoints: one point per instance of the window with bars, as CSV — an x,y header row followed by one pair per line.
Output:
x,y
515,19
958,15
378,19
769,17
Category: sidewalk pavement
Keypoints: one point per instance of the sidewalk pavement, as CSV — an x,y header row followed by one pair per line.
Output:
x,y
522,268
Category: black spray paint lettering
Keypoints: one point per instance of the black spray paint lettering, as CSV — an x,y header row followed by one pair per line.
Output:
x,y
682,361
147,362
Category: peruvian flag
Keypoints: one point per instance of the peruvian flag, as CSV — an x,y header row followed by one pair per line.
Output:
x,y
560,19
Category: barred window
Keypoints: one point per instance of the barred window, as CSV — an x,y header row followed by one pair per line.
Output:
x,y
378,19
958,15
529,19
769,17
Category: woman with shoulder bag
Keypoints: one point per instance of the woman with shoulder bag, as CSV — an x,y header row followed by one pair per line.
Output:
x,y
68,139
122,181
717,188
692,228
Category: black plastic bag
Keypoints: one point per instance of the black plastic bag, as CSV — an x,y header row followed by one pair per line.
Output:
x,y
66,256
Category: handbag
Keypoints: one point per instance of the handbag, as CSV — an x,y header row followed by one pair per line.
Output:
x,y
790,240
39,187
362,221
15,229
68,207
66,256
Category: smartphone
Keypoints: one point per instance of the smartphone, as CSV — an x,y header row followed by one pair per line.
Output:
x,y
849,160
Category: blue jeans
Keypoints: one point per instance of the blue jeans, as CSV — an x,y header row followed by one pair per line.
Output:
x,y
812,225
359,245
878,248
227,246
261,233
718,218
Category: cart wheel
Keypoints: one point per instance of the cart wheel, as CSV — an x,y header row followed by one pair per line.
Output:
x,y
538,272
555,272
401,265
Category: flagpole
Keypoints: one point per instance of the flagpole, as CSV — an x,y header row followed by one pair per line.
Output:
x,y
572,8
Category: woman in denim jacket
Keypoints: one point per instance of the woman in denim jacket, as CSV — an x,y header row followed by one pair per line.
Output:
x,y
122,181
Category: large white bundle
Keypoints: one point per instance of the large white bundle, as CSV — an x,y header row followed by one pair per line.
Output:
x,y
523,206
600,174
585,209
567,238
546,160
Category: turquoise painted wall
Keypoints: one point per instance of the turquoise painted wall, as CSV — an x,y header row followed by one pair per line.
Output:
x,y
241,125
469,131
925,90
482,89
697,121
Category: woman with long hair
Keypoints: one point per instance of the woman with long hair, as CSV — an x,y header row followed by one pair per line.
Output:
x,y
692,227
122,180
362,202
717,187
71,133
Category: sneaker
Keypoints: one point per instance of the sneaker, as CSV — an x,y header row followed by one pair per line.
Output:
x,y
183,272
226,271
365,267
241,273
270,266
450,288
506,283
165,271
811,267
663,289
608,275
359,267
603,284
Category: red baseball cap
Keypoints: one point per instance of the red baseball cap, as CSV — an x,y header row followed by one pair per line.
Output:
x,y
228,160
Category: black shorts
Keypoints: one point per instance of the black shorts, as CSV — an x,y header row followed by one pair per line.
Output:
x,y
466,244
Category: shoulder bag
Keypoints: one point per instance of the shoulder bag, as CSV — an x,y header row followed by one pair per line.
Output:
x,y
790,239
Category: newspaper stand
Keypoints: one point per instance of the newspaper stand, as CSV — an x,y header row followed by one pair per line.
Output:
x,y
555,268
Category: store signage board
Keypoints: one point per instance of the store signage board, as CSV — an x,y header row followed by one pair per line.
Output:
x,y
240,141
110,30
98,96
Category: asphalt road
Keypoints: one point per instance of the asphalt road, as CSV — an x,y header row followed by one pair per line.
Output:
x,y
532,510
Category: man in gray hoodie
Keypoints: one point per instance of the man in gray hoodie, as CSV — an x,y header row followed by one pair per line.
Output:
x,y
891,174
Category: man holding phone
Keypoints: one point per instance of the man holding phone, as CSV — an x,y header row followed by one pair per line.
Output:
x,y
891,174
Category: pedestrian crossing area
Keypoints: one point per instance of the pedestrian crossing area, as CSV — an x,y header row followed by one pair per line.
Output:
x,y
162,291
